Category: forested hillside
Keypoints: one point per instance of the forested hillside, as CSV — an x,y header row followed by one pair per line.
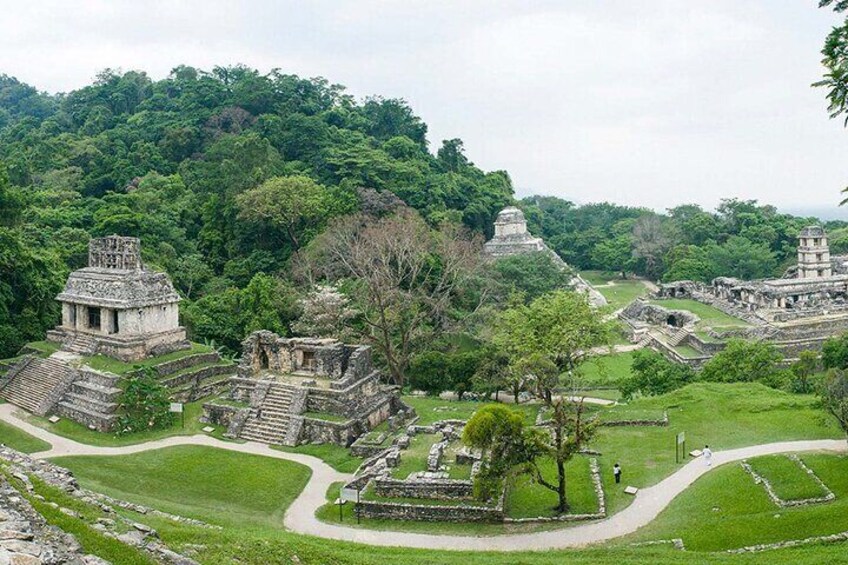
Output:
x,y
251,189
173,161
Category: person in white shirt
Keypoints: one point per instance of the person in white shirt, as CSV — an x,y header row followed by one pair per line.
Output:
x,y
708,456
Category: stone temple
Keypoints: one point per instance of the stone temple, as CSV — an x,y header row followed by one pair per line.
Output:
x,y
797,312
118,308
114,308
305,390
512,238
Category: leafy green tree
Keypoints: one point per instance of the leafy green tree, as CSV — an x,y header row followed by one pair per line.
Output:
x,y
746,361
291,206
560,325
499,431
835,396
144,403
570,429
835,352
614,255
532,274
803,370
652,374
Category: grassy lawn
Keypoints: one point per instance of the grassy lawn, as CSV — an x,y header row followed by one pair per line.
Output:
x,y
787,478
688,351
110,365
248,494
336,456
600,277
623,292
20,440
627,412
431,409
606,370
75,431
414,458
710,317
526,499
605,393
44,348
724,416
214,485
725,509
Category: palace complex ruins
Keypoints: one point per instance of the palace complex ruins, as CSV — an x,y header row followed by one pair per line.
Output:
x,y
512,238
797,312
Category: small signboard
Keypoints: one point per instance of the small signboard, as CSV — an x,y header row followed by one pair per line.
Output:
x,y
177,407
631,490
349,494
680,446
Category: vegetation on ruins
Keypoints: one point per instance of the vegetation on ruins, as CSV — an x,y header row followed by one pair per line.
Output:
x,y
144,403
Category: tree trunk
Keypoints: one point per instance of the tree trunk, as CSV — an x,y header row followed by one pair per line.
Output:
x,y
563,504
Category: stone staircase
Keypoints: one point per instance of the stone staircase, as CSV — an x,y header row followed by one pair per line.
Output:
x,y
678,337
81,343
36,385
269,423
92,400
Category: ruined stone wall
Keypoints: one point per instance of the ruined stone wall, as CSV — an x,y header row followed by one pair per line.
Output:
x,y
430,513
350,402
440,489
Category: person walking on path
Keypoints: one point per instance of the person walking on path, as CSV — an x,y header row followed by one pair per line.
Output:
x,y
616,470
708,456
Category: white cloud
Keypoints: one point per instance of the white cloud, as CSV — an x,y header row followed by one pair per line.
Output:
x,y
653,103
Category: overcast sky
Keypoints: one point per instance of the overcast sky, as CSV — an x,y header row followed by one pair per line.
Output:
x,y
638,102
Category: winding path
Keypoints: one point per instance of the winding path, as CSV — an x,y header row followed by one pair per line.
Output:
x,y
300,517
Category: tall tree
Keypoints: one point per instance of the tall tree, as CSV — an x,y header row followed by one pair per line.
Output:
x,y
406,278
292,206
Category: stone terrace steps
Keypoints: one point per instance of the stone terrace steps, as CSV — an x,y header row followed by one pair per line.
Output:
x,y
82,344
92,400
33,388
270,422
678,337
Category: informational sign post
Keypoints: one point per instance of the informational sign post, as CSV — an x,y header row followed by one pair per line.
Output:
x,y
680,447
177,408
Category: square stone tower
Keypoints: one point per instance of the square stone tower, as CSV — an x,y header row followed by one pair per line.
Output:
x,y
116,307
813,254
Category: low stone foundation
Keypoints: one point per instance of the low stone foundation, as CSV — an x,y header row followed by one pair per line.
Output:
x,y
827,494
430,513
439,489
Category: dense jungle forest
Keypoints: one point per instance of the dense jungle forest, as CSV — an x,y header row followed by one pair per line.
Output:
x,y
251,190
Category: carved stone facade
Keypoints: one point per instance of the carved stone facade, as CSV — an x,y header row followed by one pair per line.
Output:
x,y
117,307
512,238
308,390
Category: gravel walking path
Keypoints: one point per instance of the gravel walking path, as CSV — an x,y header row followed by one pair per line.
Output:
x,y
300,517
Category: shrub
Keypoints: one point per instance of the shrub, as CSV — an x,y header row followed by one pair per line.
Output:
x,y
144,403
653,374
747,361
835,352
